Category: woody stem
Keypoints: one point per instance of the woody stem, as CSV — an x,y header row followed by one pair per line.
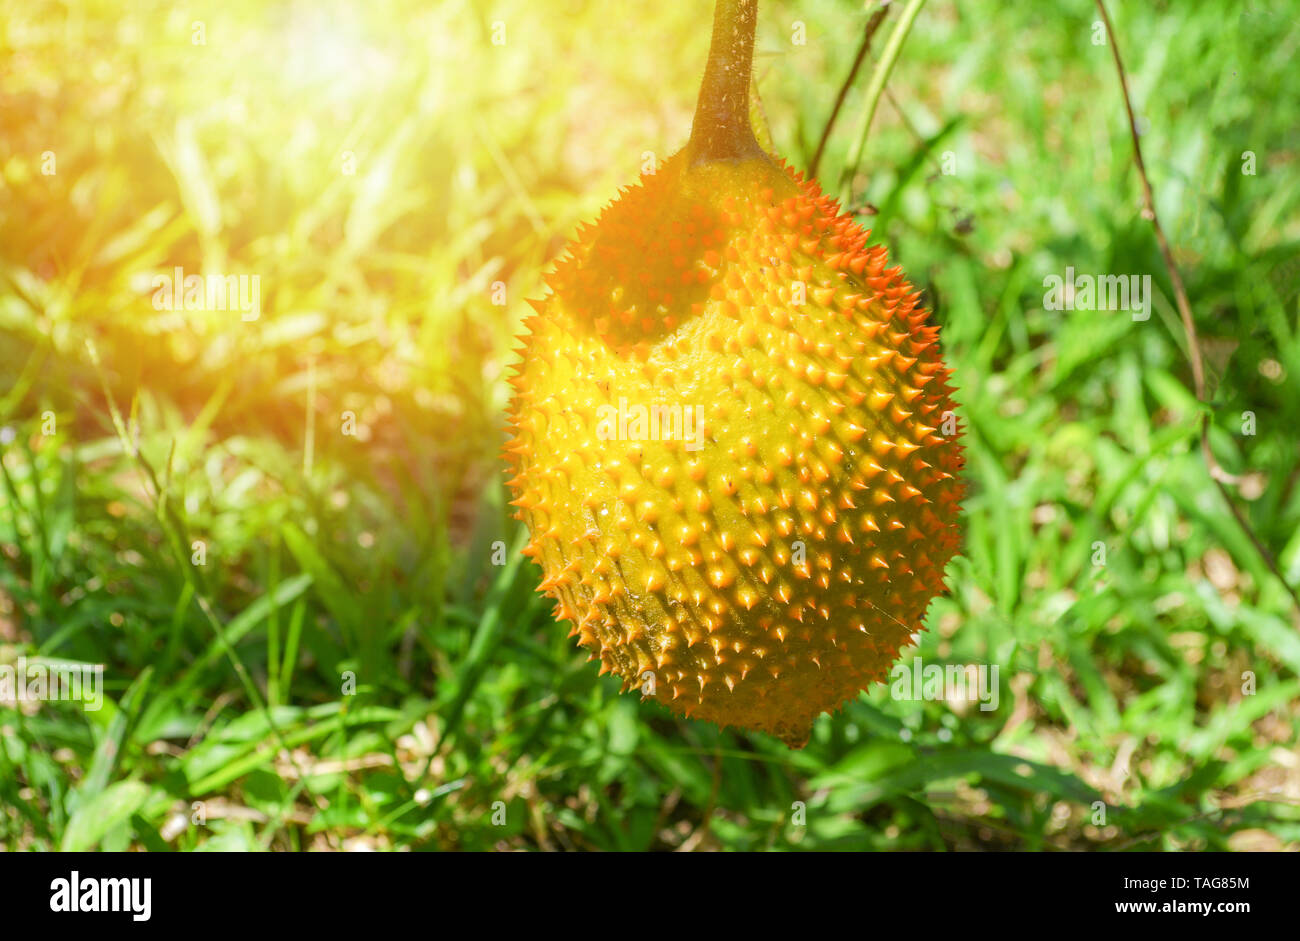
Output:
x,y
721,129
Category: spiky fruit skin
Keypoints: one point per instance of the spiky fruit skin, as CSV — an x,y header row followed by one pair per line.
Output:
x,y
777,570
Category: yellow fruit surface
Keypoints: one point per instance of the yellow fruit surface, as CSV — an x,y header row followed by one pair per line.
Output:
x,y
760,553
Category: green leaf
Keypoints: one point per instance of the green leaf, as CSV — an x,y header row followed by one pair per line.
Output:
x,y
250,617
111,807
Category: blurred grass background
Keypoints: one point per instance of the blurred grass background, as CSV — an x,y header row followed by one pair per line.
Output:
x,y
474,723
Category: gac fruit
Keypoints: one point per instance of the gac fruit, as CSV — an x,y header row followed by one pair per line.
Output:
x,y
732,434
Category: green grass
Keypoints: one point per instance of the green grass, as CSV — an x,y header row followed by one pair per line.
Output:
x,y
333,559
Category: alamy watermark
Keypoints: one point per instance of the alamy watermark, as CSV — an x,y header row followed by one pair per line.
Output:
x,y
651,423
1099,292
181,291
42,680
945,683
133,896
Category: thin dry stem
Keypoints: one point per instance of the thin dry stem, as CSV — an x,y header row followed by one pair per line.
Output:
x,y
1220,476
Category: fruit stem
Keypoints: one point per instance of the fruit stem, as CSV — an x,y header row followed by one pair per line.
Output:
x,y
721,129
